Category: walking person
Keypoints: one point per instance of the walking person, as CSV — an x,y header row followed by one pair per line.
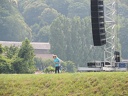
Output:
x,y
57,63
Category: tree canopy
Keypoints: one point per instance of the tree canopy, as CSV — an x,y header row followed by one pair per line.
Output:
x,y
66,25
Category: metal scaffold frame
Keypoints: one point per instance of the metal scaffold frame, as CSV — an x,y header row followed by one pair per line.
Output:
x,y
110,62
110,23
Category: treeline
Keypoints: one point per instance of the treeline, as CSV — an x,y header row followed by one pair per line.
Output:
x,y
23,61
66,25
71,40
12,24
39,14
17,60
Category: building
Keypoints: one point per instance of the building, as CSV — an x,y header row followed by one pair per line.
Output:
x,y
41,50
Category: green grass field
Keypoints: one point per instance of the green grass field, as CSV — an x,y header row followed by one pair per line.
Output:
x,y
65,84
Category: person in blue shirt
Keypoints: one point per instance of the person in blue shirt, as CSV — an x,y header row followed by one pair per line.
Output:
x,y
57,63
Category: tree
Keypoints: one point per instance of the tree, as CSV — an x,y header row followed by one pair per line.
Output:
x,y
43,34
35,29
75,38
61,7
70,66
5,65
1,49
123,36
39,63
19,66
47,63
11,52
48,15
26,53
57,38
32,11
68,39
78,9
12,25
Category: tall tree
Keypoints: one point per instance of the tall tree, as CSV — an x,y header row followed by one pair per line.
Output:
x,y
70,37
26,53
57,38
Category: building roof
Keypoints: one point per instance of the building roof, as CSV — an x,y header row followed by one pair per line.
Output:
x,y
44,56
35,45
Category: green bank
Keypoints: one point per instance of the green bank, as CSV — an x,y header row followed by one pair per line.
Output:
x,y
65,84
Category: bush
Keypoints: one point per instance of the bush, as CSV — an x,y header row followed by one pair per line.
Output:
x,y
49,69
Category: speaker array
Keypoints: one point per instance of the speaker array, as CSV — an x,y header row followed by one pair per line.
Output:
x,y
117,56
97,19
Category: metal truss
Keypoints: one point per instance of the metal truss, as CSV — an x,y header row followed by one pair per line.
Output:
x,y
110,23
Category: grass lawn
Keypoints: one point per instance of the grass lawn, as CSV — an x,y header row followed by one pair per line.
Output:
x,y
65,84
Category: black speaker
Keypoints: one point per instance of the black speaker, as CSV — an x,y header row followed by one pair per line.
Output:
x,y
97,20
117,56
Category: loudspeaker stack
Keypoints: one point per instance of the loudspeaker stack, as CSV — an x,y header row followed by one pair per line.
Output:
x,y
98,24
117,56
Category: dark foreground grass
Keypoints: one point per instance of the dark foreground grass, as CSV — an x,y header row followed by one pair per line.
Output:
x,y
75,84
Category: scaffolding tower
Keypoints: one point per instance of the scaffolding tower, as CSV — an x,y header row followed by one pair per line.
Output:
x,y
110,24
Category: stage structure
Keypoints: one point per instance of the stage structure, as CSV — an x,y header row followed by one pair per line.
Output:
x,y
109,47
110,28
112,60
